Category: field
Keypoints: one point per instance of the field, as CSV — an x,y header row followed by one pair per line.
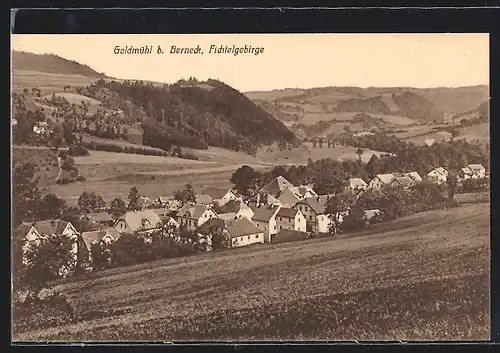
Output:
x,y
47,82
424,277
479,132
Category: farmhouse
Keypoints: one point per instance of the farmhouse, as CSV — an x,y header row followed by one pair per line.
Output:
x,y
108,235
290,218
380,180
438,175
478,171
238,207
265,218
193,216
31,233
369,214
144,221
403,181
314,210
243,232
220,196
428,142
413,175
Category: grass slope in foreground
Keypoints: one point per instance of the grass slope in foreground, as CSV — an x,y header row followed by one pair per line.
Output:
x,y
419,278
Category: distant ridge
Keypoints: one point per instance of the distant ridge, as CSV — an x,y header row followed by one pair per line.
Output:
x,y
51,63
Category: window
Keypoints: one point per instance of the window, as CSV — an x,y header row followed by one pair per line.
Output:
x,y
275,227
249,237
256,236
310,217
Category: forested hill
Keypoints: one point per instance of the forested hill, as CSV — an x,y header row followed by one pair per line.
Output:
x,y
51,63
195,114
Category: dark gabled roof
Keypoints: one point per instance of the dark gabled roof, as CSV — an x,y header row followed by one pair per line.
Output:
x,y
287,212
136,220
288,235
264,213
317,204
276,186
211,224
240,227
91,237
230,207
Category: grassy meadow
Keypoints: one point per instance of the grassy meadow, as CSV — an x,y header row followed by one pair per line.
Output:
x,y
423,277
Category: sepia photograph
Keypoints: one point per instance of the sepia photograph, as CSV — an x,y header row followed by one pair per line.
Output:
x,y
250,187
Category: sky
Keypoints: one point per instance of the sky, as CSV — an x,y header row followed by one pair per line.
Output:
x,y
288,60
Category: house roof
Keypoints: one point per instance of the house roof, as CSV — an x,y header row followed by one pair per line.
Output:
x,y
216,193
96,236
168,219
403,180
192,211
317,204
289,196
240,227
233,206
429,142
304,189
440,170
413,175
164,199
288,235
475,166
276,186
135,220
466,170
22,230
265,198
370,213
264,213
203,199
227,216
100,217
357,183
287,212
385,178
213,223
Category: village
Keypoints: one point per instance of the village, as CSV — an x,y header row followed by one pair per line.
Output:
x,y
278,212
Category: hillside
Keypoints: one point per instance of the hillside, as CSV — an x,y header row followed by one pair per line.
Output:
x,y
331,108
194,115
428,275
50,63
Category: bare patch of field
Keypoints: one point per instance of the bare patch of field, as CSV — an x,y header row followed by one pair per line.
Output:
x,y
437,262
479,132
102,157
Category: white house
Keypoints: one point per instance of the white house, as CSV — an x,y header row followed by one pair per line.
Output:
x,y
193,216
243,232
220,196
265,218
438,175
32,233
238,208
238,232
106,236
404,181
478,171
413,176
314,210
356,184
380,180
290,218
138,221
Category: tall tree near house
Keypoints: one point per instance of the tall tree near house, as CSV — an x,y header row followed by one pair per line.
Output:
x,y
134,200
51,258
52,207
26,197
359,152
373,166
117,208
245,180
452,185
336,206
186,195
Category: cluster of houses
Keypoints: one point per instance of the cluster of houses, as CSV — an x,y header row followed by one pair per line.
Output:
x,y
278,212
